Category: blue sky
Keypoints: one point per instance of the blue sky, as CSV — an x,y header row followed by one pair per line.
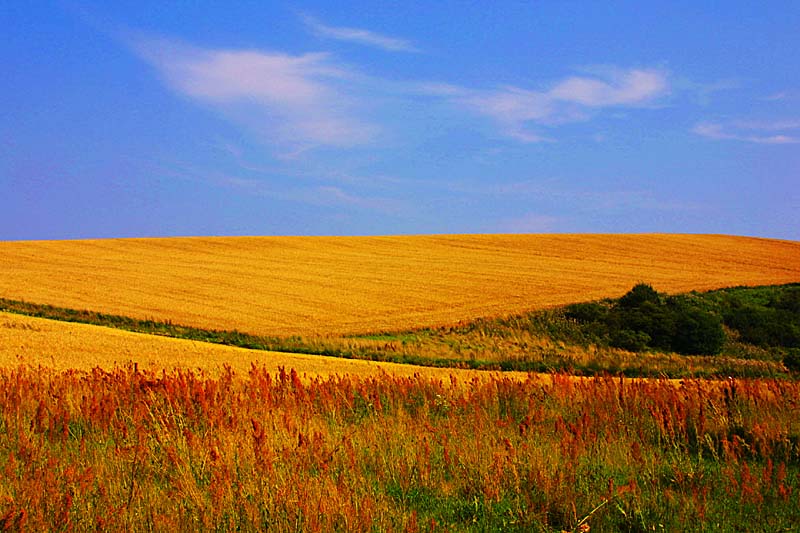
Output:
x,y
145,118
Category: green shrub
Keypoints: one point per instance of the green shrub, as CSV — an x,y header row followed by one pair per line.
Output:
x,y
697,332
638,295
586,313
789,300
792,360
643,319
765,326
655,319
634,341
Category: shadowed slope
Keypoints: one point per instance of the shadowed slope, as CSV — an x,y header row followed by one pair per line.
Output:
x,y
334,285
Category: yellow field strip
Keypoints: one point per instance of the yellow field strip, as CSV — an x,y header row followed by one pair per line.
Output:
x,y
335,285
62,346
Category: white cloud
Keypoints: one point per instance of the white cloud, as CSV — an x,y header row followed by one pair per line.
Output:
x,y
570,100
291,100
327,195
512,104
711,131
776,139
703,93
525,136
360,36
330,195
742,131
298,102
632,87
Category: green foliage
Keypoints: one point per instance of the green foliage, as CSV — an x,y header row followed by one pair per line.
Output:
x,y
788,300
697,331
765,325
638,296
656,320
586,312
761,318
643,319
632,340
792,360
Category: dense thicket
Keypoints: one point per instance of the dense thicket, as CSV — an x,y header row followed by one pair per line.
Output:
x,y
775,322
696,323
644,319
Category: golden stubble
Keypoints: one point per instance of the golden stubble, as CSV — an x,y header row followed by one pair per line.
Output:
x,y
317,286
37,342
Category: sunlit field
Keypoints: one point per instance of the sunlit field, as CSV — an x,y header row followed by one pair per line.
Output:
x,y
36,342
327,286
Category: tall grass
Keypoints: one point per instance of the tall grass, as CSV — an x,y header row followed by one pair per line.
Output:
x,y
131,450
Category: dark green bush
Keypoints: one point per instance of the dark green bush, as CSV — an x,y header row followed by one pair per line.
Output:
x,y
697,332
586,313
643,319
765,326
634,341
638,295
657,320
792,360
789,300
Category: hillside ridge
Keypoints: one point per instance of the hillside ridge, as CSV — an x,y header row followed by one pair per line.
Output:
x,y
338,285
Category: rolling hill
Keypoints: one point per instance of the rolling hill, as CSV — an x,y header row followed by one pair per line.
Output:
x,y
322,286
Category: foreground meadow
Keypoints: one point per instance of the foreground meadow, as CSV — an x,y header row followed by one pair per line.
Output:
x,y
128,450
318,286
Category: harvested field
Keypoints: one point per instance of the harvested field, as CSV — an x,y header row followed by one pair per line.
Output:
x,y
36,342
338,285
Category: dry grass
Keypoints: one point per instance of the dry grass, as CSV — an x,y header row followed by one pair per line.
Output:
x,y
61,346
336,285
179,451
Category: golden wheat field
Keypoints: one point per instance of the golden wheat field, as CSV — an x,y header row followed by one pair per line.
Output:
x,y
37,342
339,285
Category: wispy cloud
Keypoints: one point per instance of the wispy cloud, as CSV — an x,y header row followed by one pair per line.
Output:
x,y
359,36
293,100
776,132
296,102
621,87
572,99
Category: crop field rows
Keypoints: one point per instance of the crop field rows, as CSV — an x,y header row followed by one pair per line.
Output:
x,y
315,286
